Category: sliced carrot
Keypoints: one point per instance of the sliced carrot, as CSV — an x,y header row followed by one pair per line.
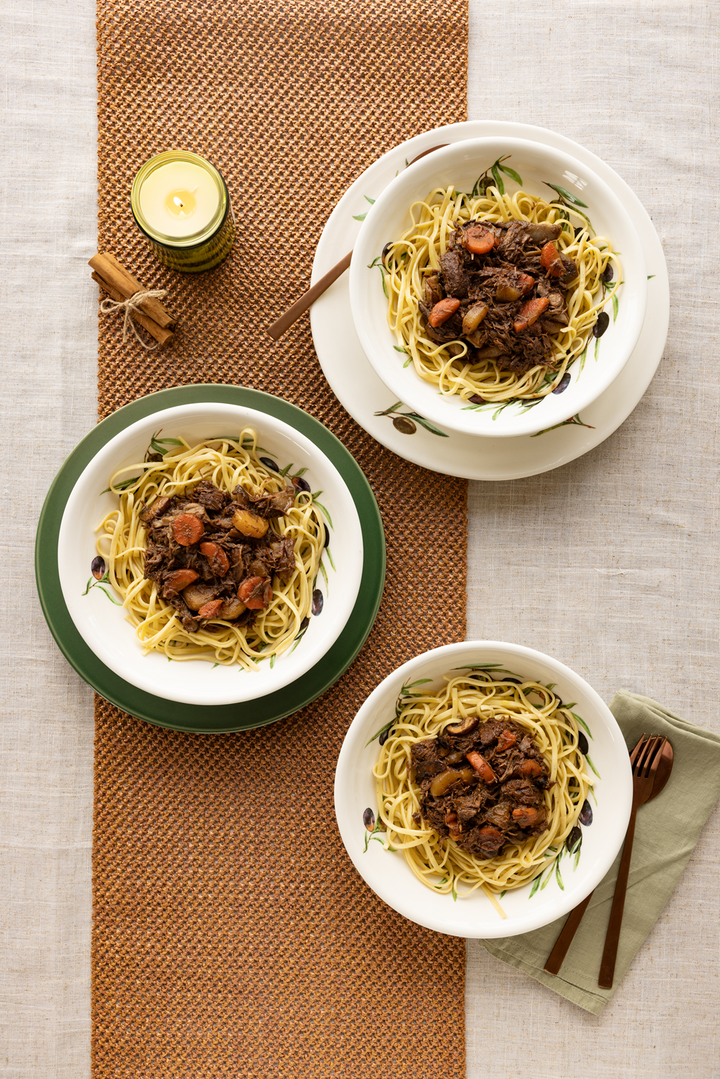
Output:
x,y
211,609
481,766
525,815
525,283
548,255
187,529
219,562
442,311
530,312
181,578
531,768
255,592
478,240
550,260
505,741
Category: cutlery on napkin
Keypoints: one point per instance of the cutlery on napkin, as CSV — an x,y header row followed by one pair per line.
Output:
x,y
667,831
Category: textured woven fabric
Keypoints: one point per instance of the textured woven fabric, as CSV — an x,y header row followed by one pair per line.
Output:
x,y
232,935
668,828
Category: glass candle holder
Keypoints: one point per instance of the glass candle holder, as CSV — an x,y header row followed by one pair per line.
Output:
x,y
181,204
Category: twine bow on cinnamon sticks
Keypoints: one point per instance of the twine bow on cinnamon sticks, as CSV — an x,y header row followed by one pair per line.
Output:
x,y
140,306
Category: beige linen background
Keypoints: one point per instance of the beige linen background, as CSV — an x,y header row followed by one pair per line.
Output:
x,y
609,563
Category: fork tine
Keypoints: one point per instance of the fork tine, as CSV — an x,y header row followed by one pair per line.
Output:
x,y
642,757
655,756
638,749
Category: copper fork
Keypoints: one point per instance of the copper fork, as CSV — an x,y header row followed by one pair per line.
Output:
x,y
662,775
644,769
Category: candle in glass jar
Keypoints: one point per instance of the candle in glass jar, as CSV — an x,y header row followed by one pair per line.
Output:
x,y
182,205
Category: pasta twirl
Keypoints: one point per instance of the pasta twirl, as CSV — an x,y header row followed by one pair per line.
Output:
x,y
227,463
438,861
454,366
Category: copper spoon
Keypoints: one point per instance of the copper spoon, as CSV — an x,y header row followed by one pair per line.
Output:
x,y
562,944
308,298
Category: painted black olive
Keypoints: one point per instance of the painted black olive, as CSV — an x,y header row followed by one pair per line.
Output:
x,y
586,814
300,484
304,624
369,819
477,399
574,837
608,273
404,425
386,249
579,229
603,321
97,567
563,383
327,537
384,736
317,601
269,463
582,743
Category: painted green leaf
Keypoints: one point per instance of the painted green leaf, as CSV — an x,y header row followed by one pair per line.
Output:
x,y
589,760
122,485
381,731
426,424
518,180
579,719
321,507
565,194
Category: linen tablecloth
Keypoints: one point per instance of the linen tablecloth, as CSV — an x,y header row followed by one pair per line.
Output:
x,y
607,563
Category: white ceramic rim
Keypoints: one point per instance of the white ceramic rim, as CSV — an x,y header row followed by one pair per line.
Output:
x,y
376,339
461,923
191,681
365,396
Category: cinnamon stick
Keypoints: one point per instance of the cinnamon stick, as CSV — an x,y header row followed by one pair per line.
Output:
x,y
161,335
114,274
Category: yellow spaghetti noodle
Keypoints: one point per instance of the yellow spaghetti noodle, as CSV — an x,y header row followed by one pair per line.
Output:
x,y
438,861
227,463
408,260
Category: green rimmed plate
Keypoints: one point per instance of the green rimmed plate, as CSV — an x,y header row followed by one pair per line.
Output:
x,y
220,718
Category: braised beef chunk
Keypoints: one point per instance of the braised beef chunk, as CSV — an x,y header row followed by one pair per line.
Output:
x,y
482,786
210,496
274,505
202,579
454,275
279,556
155,509
505,277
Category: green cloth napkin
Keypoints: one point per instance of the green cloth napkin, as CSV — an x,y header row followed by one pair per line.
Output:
x,y
666,833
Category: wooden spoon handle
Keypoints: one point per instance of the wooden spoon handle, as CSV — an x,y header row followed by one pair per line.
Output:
x,y
308,298
612,938
557,955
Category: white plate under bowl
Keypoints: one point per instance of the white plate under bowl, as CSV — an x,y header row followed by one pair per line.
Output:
x,y
375,408
389,875
459,165
102,624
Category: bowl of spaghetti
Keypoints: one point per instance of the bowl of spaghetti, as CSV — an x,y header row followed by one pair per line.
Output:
x,y
498,286
210,554
483,789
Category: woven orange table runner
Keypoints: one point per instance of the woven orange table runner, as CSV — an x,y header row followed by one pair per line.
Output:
x,y
232,936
